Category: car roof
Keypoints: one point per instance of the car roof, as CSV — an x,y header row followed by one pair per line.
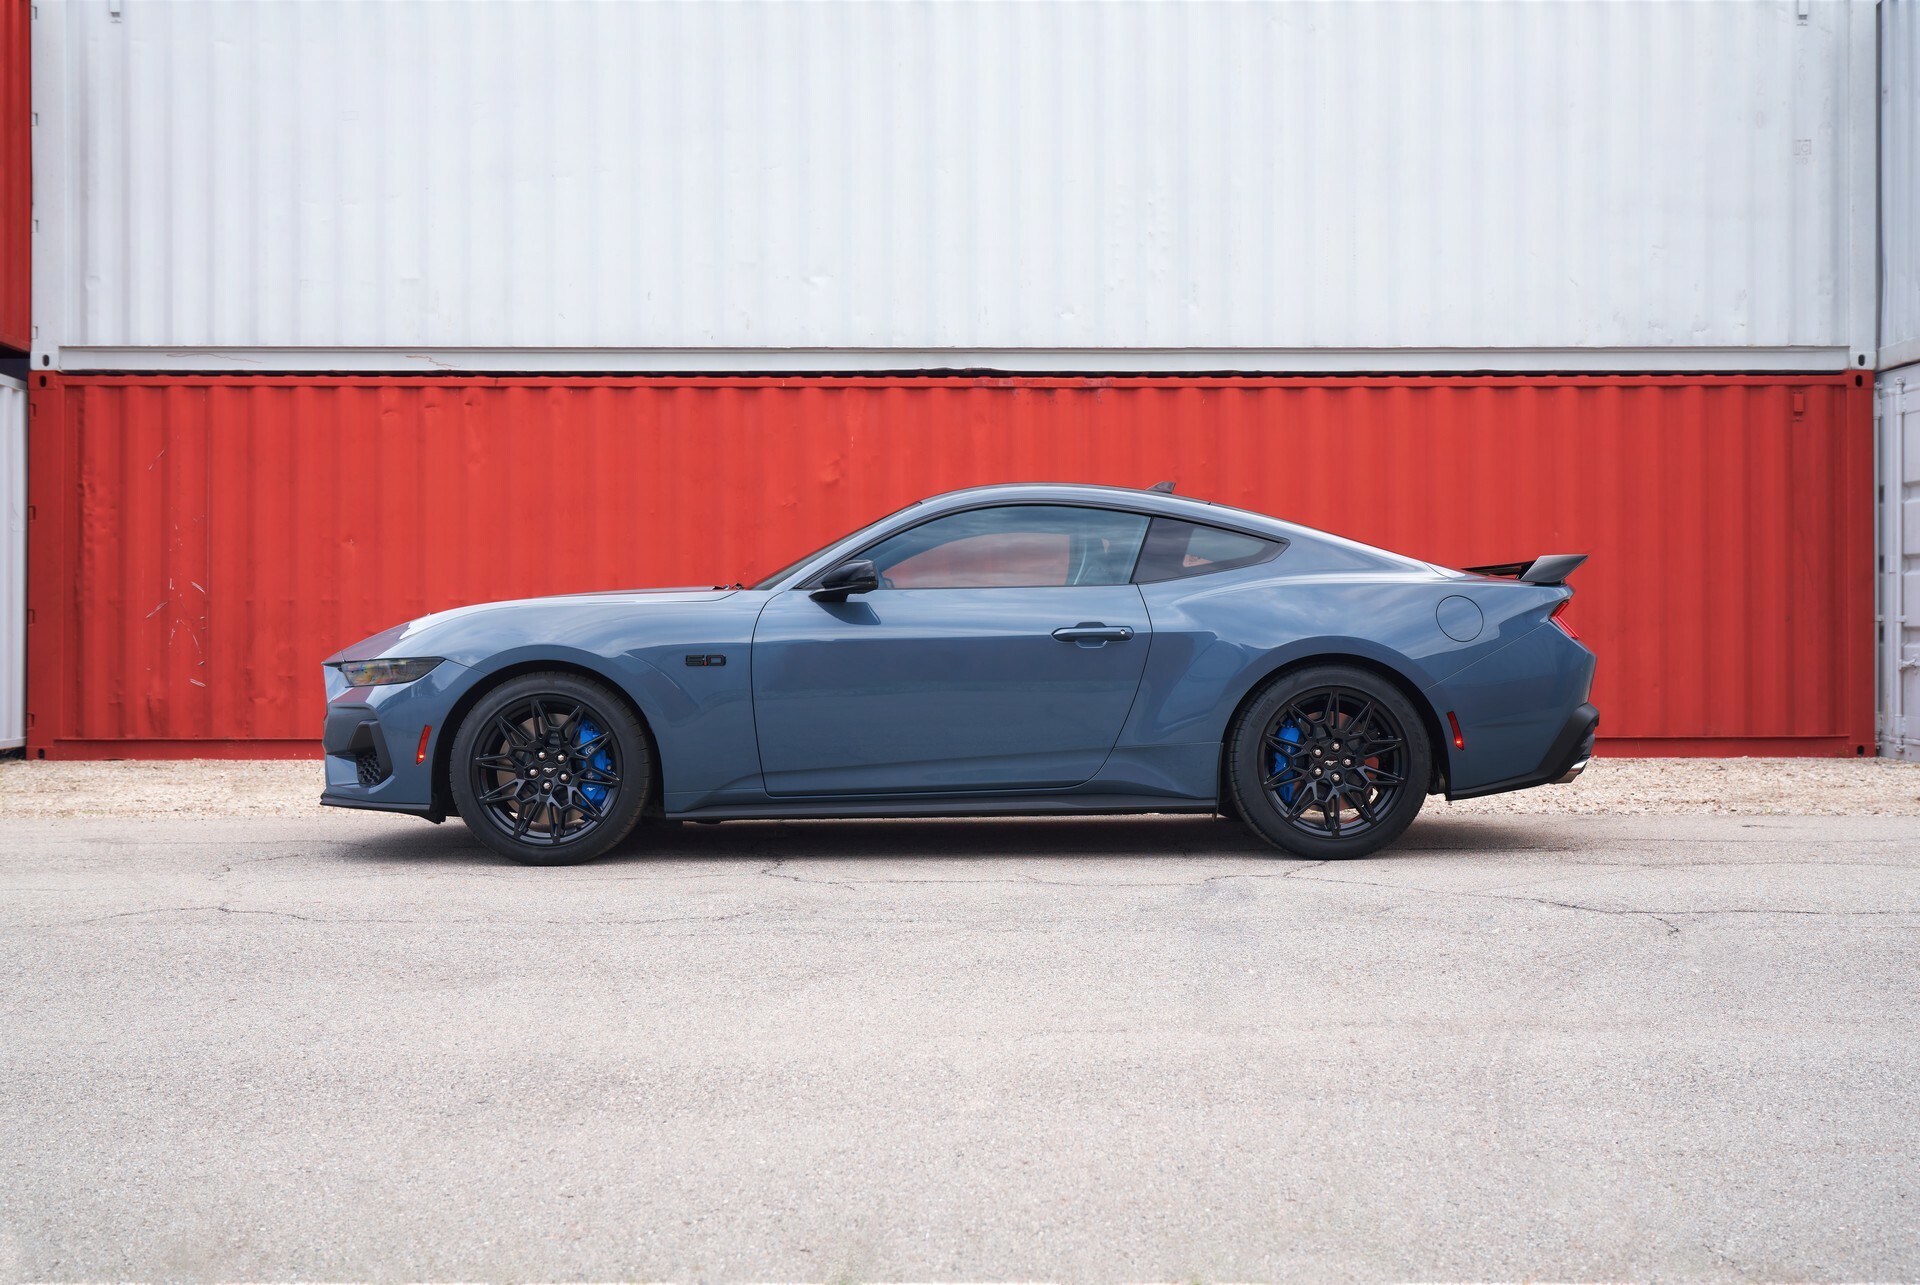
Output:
x,y
1094,493
1153,503
1191,508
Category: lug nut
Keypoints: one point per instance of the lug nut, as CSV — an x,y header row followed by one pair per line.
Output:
x,y
563,776
1336,776
1316,771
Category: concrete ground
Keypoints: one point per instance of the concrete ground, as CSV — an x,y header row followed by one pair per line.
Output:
x,y
347,1047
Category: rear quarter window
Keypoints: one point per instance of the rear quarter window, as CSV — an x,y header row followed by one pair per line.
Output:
x,y
1175,550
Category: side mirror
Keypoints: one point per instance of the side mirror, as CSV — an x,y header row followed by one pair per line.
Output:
x,y
857,576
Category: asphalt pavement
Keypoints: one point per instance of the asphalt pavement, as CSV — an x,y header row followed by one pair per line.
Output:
x,y
362,1048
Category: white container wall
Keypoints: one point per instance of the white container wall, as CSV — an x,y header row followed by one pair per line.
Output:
x,y
13,563
1900,182
1897,428
1048,185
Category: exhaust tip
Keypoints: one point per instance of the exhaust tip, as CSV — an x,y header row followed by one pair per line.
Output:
x,y
1573,771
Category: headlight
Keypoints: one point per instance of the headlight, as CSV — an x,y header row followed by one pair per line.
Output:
x,y
384,673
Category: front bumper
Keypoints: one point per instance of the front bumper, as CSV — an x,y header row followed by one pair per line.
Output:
x,y
381,743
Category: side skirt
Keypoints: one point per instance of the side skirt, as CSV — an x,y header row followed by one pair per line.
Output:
x,y
1045,805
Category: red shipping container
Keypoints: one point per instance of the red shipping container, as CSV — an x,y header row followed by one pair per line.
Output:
x,y
199,544
16,175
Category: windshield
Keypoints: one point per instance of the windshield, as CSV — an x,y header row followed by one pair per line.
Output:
x,y
773,580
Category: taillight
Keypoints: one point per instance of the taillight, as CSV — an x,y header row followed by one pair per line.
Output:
x,y
1565,628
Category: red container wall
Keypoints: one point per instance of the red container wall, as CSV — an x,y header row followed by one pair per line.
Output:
x,y
16,176
200,544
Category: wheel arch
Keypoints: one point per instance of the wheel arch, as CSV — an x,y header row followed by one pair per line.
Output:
x,y
442,777
1429,717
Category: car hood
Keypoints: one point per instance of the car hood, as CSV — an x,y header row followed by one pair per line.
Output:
x,y
415,637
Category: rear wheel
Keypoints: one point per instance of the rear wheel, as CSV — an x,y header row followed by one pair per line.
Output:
x,y
1330,762
551,769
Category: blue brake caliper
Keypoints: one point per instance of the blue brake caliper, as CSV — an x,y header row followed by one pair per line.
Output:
x,y
1290,733
601,761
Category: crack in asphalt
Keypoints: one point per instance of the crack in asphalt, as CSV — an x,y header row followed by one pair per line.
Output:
x,y
187,910
228,868
355,920
772,871
1664,917
641,923
782,867
1026,880
1660,915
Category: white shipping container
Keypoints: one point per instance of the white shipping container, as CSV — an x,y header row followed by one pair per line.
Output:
x,y
13,563
1900,182
1045,185
1897,430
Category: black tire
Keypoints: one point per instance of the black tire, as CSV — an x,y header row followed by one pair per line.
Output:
x,y
551,769
1330,762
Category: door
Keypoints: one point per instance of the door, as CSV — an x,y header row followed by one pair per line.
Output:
x,y
1001,652
1897,398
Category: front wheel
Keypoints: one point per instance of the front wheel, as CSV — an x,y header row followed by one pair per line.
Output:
x,y
551,769
1330,762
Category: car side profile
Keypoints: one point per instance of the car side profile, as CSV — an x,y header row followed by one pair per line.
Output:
x,y
1013,649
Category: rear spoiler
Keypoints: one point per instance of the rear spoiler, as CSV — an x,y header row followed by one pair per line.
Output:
x,y
1547,569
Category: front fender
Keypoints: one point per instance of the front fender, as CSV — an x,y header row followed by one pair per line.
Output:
x,y
701,717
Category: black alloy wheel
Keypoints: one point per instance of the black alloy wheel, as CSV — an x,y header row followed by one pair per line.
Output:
x,y
551,769
1330,762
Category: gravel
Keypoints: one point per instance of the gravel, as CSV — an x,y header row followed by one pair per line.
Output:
x,y
1622,787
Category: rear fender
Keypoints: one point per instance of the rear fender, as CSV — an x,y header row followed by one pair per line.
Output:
x,y
1511,705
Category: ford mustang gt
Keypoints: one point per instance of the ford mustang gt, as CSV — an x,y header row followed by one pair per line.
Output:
x,y
1019,649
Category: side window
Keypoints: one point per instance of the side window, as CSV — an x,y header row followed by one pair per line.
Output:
x,y
1014,546
1175,549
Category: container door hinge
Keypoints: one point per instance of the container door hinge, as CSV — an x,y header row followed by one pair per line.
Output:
x,y
113,10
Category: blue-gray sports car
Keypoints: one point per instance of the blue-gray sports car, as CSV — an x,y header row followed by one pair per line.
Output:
x,y
1002,650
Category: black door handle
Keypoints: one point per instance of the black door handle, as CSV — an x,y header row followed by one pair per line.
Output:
x,y
1092,631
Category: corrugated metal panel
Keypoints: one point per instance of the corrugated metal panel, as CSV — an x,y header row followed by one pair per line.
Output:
x,y
16,175
1900,182
1052,185
202,543
13,563
1897,424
